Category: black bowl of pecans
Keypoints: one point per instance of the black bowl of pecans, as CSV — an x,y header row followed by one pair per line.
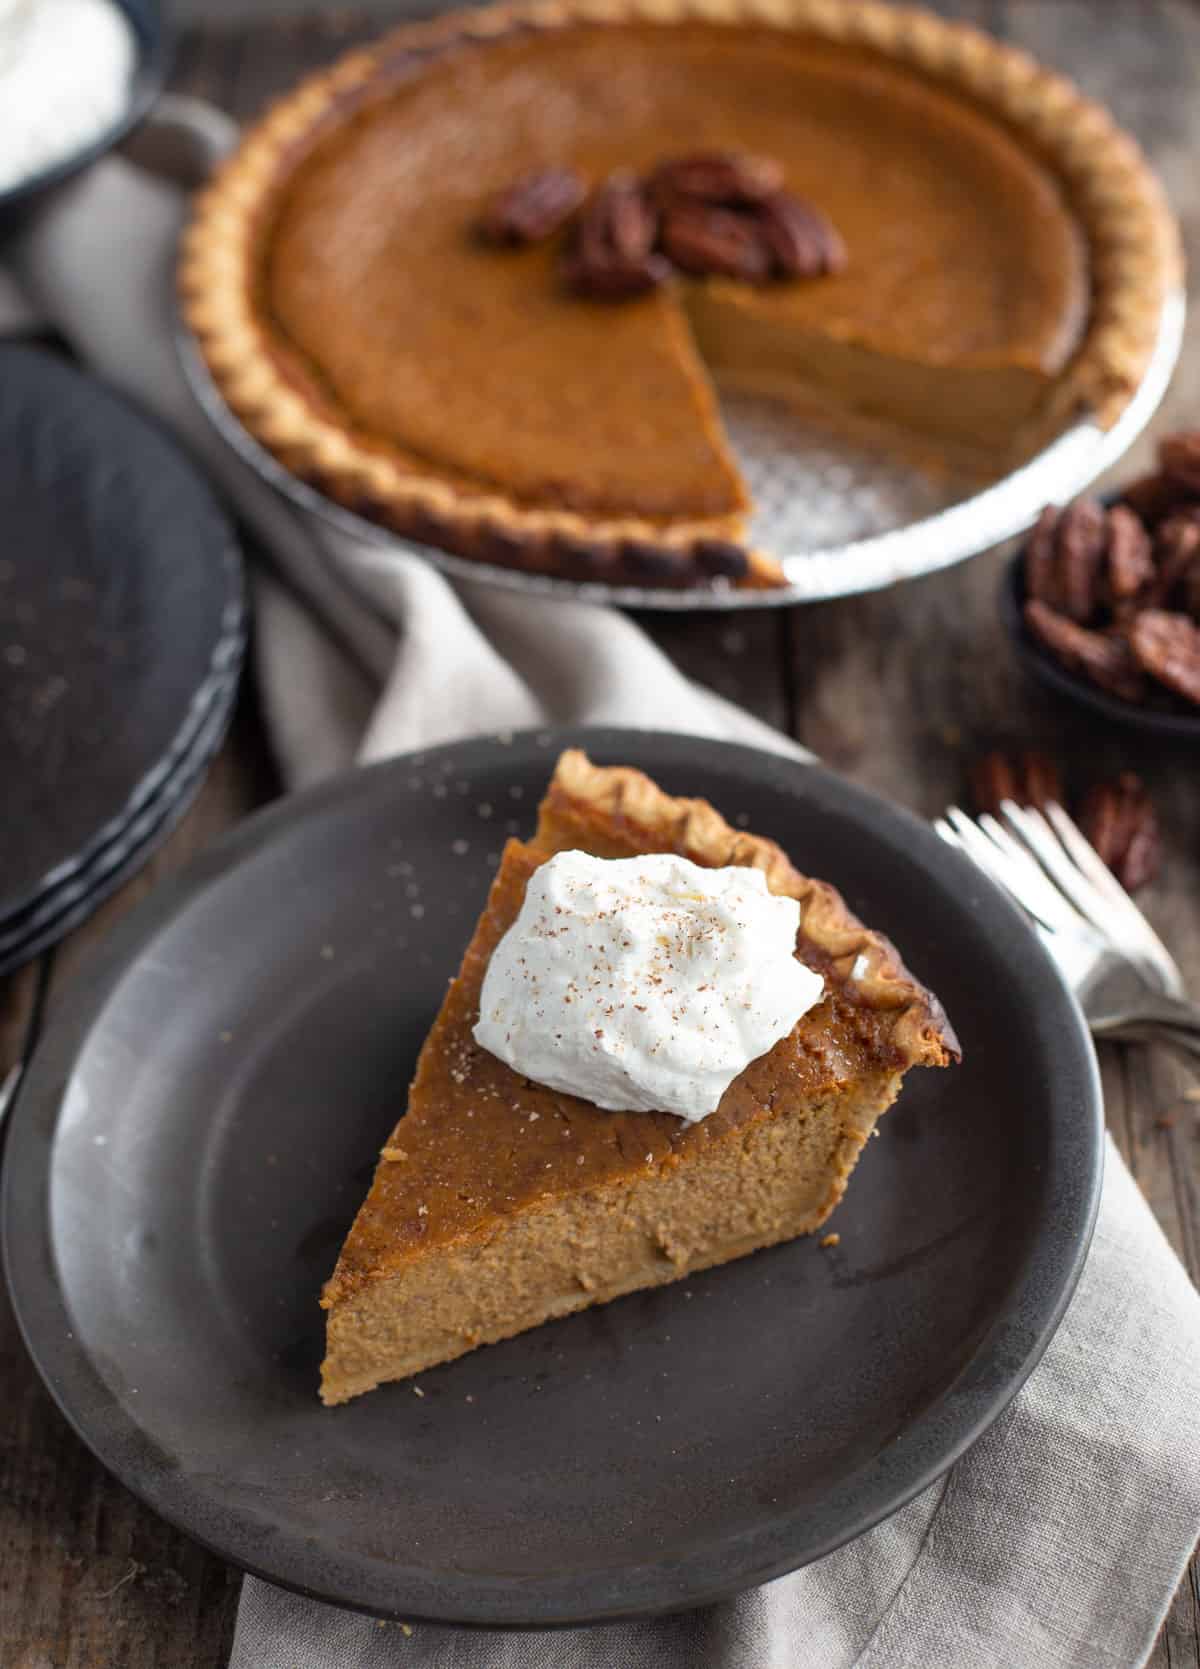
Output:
x,y
1103,601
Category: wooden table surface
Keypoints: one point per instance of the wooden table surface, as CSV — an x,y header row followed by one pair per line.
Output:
x,y
899,690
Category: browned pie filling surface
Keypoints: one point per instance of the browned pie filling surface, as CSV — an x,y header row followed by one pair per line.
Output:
x,y
480,1142
477,365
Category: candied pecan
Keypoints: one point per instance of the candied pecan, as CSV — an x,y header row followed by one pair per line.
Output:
x,y
1042,784
533,207
993,780
1191,591
715,242
1179,460
1081,539
1106,658
1151,497
618,221
1064,559
1168,647
728,179
1130,559
612,257
1120,821
613,279
1041,559
1029,779
1176,550
802,243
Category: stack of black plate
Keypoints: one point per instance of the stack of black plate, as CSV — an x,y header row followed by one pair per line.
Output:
x,y
122,631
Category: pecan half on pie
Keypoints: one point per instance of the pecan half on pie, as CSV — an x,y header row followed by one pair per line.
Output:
x,y
500,1203
957,244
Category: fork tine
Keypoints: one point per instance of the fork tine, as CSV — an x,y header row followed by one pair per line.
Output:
x,y
1031,827
1018,875
1053,906
1089,861
1125,912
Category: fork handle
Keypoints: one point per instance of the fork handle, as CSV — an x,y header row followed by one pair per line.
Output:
x,y
1162,1020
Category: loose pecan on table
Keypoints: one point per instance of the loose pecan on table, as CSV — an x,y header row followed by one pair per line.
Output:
x,y
1117,816
533,207
1029,779
1120,821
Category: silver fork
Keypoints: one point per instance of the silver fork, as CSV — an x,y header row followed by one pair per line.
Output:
x,y
1125,979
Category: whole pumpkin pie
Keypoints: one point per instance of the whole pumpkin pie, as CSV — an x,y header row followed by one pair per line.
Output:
x,y
500,1202
1007,254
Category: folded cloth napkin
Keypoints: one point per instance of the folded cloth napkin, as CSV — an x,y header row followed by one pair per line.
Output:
x,y
1060,1538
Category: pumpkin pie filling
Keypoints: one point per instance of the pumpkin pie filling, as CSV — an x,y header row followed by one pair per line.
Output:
x,y
962,256
455,387
499,1202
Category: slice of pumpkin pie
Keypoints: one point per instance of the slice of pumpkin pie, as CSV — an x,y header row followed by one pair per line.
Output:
x,y
665,1048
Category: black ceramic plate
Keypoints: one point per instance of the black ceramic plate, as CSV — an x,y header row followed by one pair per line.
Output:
x,y
121,618
61,910
154,45
1172,718
202,1119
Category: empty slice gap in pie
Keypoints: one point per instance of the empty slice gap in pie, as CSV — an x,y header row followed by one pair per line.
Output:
x,y
1007,257
499,1204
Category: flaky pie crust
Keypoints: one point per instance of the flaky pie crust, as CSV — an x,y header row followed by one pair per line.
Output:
x,y
1134,252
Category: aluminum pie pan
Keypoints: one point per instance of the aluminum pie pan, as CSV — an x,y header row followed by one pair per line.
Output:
x,y
947,534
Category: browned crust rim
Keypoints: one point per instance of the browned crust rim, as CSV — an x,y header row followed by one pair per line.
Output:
x,y
1134,243
857,958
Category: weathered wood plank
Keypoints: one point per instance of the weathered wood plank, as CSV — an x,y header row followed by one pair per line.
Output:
x,y
741,656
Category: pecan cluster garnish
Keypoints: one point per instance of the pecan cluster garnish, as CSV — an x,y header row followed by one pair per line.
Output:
x,y
1114,594
711,214
725,214
1117,816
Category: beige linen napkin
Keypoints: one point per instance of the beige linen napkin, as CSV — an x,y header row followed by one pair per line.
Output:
x,y
1059,1539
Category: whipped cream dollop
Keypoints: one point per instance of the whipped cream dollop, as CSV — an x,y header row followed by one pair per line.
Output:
x,y
66,74
644,984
